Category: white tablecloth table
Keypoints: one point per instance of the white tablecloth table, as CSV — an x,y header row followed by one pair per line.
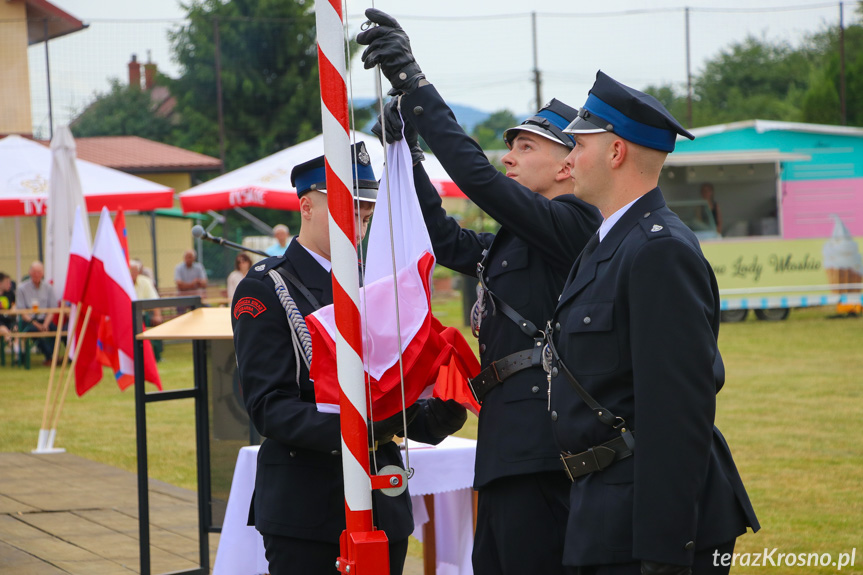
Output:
x,y
445,471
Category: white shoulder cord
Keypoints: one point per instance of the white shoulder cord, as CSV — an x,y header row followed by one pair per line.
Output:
x,y
300,337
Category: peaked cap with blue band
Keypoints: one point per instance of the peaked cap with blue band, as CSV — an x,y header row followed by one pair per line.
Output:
x,y
549,123
312,175
632,115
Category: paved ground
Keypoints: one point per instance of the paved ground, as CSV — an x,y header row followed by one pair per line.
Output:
x,y
62,514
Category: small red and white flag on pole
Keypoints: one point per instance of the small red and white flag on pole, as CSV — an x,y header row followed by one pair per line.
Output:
x,y
110,292
436,361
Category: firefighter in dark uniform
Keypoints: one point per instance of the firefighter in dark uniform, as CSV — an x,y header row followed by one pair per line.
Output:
x,y
298,503
637,366
523,494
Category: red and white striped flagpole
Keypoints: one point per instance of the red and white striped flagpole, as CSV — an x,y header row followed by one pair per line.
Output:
x,y
364,551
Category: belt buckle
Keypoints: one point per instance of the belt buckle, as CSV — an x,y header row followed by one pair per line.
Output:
x,y
473,391
563,457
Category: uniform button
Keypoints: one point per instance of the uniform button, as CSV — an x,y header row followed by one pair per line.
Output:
x,y
557,326
586,320
504,263
535,389
689,546
554,416
293,453
554,372
647,214
418,111
486,280
482,348
335,452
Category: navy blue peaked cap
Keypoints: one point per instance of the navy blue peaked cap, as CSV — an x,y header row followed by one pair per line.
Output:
x,y
549,123
632,115
312,175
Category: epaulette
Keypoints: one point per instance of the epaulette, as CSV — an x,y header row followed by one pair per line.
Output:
x,y
260,269
654,226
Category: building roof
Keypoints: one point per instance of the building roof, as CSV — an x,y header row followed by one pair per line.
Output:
x,y
762,126
59,22
139,155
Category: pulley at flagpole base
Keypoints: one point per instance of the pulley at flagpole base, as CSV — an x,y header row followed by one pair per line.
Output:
x,y
45,443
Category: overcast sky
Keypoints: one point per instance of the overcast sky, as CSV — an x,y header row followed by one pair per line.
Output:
x,y
475,57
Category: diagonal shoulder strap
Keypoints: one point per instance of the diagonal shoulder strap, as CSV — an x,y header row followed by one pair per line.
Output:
x,y
299,285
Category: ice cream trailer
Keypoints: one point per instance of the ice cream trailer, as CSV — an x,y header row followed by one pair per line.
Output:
x,y
786,226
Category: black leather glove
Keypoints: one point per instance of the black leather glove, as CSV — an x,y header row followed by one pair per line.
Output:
x,y
389,46
394,125
653,568
444,418
393,425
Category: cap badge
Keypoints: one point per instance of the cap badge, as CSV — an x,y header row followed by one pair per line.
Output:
x,y
260,268
363,158
655,228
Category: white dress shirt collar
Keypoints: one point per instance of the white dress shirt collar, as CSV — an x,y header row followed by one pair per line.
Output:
x,y
608,222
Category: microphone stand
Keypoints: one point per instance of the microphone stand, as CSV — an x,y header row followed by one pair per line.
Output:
x,y
229,244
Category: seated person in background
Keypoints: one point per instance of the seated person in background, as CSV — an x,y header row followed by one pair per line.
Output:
x,y
282,234
7,302
144,289
190,276
242,263
36,293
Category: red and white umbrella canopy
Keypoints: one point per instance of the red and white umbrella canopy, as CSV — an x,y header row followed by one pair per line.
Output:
x,y
25,173
267,182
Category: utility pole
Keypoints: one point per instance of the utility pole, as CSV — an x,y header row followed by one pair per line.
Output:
x,y
688,76
842,111
219,111
537,81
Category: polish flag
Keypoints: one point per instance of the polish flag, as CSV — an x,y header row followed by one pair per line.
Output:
x,y
436,361
87,373
122,235
110,292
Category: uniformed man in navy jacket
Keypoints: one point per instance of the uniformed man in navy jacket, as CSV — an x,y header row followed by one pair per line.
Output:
x,y
522,490
298,502
637,367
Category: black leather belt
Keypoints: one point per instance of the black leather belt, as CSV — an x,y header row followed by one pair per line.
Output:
x,y
595,459
501,369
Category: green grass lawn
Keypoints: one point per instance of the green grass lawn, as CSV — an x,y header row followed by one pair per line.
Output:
x,y
789,409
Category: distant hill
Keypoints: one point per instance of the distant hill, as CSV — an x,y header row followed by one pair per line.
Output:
x,y
467,116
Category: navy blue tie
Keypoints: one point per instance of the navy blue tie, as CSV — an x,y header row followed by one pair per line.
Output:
x,y
589,249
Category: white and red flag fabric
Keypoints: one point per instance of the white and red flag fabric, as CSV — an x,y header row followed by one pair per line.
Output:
x,y
110,292
122,234
436,360
77,269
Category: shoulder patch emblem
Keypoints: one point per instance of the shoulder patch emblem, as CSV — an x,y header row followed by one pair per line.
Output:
x,y
655,228
260,267
248,305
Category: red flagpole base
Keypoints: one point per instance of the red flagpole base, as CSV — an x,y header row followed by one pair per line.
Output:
x,y
368,551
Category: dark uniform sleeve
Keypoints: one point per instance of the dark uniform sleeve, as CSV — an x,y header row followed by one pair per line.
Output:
x,y
455,247
673,360
558,229
267,367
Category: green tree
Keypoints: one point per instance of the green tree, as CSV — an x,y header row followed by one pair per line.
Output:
x,y
821,103
269,71
754,79
122,111
489,132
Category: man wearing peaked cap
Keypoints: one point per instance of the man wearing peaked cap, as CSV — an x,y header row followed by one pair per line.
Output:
x,y
298,503
634,363
312,176
523,492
